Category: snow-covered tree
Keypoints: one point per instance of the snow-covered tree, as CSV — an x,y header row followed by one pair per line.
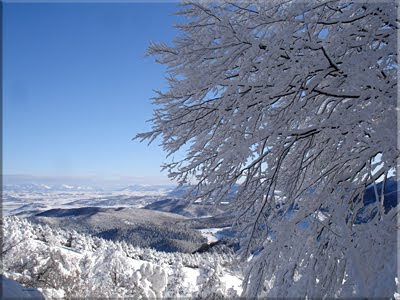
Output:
x,y
296,102
175,288
209,282
37,256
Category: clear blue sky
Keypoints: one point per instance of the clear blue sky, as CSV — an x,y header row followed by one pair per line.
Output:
x,y
76,87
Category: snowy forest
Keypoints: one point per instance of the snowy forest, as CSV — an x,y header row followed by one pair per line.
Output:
x,y
286,112
66,264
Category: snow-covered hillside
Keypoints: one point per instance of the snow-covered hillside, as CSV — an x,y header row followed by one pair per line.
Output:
x,y
139,227
67,264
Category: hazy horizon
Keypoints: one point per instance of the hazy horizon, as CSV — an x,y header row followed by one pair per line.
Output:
x,y
96,181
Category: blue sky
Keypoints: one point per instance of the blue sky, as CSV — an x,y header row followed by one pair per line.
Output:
x,y
76,87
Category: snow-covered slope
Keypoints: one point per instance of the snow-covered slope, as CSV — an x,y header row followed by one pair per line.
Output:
x,y
184,207
67,264
139,227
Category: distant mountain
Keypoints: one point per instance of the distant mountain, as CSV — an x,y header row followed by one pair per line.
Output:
x,y
148,188
46,188
27,188
184,191
180,191
63,187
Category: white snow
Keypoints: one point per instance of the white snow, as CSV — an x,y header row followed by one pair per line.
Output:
x,y
146,270
211,234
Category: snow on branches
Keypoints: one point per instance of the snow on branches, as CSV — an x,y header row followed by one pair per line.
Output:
x,y
296,102
64,264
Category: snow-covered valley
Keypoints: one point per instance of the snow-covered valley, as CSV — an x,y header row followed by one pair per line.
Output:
x,y
156,244
92,243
